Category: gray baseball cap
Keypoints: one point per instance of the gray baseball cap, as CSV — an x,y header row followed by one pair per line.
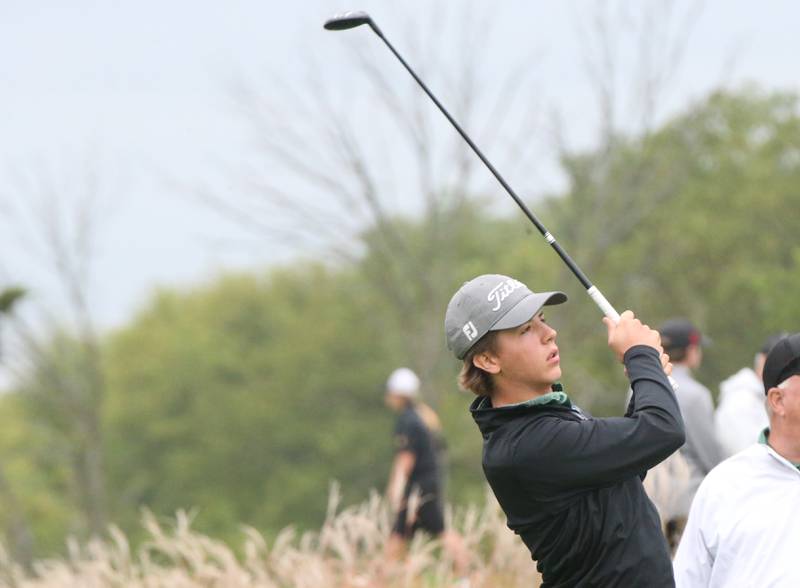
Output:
x,y
491,302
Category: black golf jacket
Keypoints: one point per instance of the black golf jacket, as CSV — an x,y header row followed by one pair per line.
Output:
x,y
571,484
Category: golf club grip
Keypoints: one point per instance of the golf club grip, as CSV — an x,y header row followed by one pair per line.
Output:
x,y
603,303
611,313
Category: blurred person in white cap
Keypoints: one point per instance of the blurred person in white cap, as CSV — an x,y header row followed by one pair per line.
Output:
x,y
741,414
415,488
744,524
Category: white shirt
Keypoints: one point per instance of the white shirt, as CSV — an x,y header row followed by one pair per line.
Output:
x,y
744,525
741,415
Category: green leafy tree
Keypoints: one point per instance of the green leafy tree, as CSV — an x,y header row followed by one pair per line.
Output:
x,y
246,398
705,229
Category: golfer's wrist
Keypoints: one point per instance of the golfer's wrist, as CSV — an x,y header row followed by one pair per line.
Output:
x,y
638,350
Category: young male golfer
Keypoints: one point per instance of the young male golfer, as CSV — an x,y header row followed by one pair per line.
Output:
x,y
570,484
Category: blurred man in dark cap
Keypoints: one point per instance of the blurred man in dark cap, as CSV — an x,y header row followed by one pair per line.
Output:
x,y
744,525
741,414
683,342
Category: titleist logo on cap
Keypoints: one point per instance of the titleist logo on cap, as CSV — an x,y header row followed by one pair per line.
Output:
x,y
502,291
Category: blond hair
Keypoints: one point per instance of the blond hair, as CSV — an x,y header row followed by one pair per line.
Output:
x,y
472,378
428,416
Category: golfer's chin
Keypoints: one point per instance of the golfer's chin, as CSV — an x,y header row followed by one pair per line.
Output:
x,y
554,374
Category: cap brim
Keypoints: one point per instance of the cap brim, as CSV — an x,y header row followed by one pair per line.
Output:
x,y
527,308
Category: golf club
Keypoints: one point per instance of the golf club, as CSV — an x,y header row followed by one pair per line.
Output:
x,y
349,20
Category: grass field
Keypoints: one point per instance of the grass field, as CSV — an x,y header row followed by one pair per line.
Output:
x,y
346,552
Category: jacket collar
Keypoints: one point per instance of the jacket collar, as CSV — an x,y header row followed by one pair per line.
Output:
x,y
490,418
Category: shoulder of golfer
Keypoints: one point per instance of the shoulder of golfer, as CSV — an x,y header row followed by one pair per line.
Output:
x,y
589,452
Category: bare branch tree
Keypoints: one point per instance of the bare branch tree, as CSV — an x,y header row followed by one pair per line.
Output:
x,y
18,531
631,96
364,154
56,221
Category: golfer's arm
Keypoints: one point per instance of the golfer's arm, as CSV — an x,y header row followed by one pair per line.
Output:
x,y
596,452
656,413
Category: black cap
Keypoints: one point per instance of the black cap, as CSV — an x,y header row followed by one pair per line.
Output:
x,y
679,333
769,343
782,362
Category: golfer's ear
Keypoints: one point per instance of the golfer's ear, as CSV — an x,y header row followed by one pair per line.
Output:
x,y
486,361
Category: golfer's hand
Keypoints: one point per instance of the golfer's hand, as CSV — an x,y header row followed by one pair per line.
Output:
x,y
630,331
667,366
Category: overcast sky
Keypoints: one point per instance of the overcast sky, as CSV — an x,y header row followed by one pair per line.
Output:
x,y
139,91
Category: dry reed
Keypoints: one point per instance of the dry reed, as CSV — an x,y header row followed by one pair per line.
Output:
x,y
346,552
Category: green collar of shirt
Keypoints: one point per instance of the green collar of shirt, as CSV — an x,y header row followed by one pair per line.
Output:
x,y
556,397
763,438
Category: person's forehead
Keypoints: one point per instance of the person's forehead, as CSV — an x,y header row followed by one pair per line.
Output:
x,y
791,383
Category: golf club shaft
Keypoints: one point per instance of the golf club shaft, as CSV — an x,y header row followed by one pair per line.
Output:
x,y
595,294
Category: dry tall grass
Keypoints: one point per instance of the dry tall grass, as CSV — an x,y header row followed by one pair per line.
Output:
x,y
346,552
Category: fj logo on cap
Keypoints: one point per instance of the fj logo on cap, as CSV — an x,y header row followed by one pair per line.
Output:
x,y
502,291
470,331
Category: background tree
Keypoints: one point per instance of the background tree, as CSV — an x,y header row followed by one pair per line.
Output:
x,y
18,533
366,152
244,397
714,236
251,393
55,216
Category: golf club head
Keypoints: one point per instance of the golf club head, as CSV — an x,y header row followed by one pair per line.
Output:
x,y
348,20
